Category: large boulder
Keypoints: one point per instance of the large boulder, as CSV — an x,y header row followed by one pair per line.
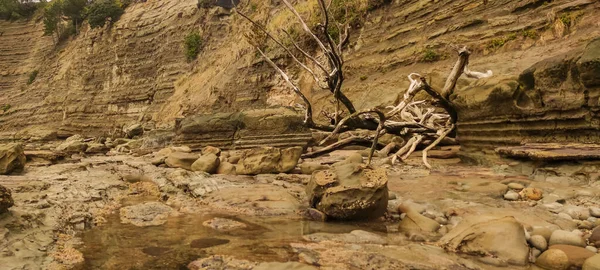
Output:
x,y
12,158
348,192
6,200
206,163
503,238
268,160
181,160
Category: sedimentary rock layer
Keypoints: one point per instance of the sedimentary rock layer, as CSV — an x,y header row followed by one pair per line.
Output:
x,y
555,101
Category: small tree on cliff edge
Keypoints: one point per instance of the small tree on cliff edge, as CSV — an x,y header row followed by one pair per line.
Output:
x,y
100,11
52,19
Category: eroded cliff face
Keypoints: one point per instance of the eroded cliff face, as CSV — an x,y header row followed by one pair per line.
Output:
x,y
136,71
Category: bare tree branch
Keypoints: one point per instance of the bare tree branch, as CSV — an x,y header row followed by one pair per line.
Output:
x,y
435,143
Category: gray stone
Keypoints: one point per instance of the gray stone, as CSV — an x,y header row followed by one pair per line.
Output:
x,y
560,237
595,212
592,249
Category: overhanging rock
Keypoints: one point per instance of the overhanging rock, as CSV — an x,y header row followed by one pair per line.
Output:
x,y
275,127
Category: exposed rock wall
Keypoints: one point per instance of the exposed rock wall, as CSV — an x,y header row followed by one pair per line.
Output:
x,y
276,127
555,101
136,71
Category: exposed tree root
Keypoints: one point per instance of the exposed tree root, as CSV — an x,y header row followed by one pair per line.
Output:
x,y
419,122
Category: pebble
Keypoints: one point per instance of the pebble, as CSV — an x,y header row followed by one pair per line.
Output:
x,y
595,212
539,242
559,237
592,249
515,186
511,196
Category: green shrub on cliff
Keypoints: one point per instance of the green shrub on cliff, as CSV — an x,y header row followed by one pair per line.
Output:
x,y
193,44
100,11
32,76
14,9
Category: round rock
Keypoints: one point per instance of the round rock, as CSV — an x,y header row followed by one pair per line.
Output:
x,y
576,255
539,242
554,259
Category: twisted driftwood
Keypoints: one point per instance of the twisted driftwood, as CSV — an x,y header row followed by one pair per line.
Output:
x,y
415,120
